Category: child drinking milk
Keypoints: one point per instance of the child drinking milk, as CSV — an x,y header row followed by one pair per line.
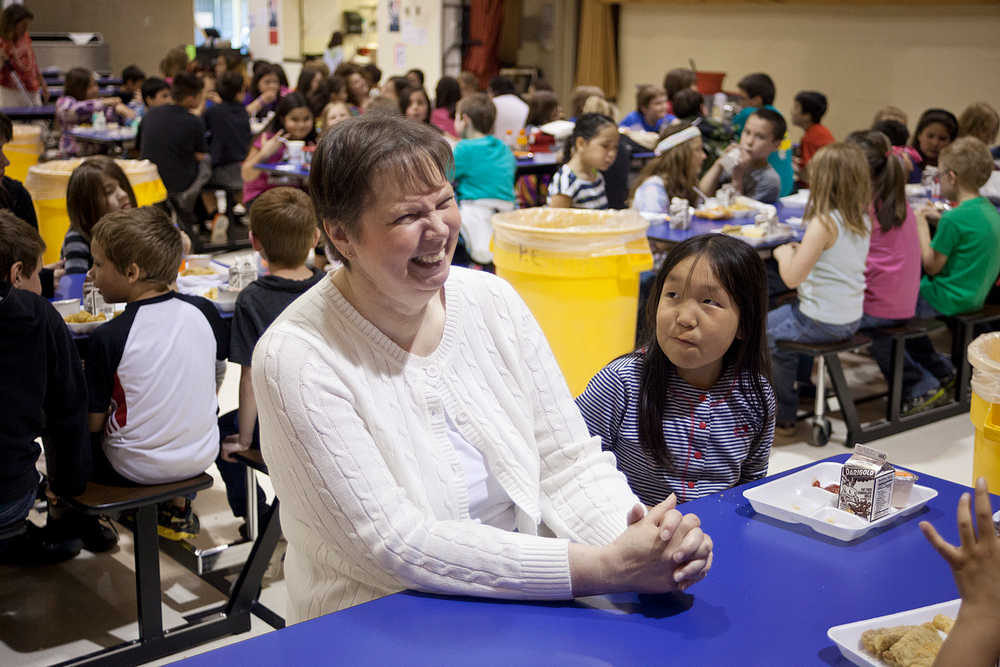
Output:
x,y
827,267
673,172
691,411
592,147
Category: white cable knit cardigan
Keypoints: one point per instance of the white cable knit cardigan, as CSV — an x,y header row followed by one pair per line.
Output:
x,y
373,495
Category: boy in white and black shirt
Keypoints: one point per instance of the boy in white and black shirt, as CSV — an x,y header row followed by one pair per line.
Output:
x,y
151,371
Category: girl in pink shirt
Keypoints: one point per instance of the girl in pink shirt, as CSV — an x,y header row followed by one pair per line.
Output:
x,y
892,271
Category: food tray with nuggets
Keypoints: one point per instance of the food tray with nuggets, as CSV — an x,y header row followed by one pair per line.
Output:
x,y
908,638
758,234
810,496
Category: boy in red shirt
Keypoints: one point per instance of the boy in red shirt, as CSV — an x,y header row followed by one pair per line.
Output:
x,y
809,109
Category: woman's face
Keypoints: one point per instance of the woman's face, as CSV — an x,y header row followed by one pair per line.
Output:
x,y
696,321
21,28
299,123
115,197
417,108
358,86
405,243
269,82
932,139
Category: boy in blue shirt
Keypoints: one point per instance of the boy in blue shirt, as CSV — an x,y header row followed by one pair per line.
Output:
x,y
484,174
758,89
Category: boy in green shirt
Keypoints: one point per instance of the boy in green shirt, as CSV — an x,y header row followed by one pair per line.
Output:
x,y
484,174
961,263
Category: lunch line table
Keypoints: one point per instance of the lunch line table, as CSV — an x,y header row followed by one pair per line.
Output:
x,y
773,592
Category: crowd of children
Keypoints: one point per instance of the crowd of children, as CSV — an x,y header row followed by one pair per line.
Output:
x,y
692,411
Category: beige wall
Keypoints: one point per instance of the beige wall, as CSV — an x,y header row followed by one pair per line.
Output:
x,y
860,57
419,39
555,52
138,31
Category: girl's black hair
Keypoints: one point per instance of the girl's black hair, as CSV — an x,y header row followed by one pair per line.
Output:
x,y
306,77
741,273
588,126
404,101
285,106
896,131
447,94
942,116
259,72
888,178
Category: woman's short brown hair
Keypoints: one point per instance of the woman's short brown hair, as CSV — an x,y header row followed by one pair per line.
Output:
x,y
144,236
284,222
11,16
357,151
979,120
678,79
86,202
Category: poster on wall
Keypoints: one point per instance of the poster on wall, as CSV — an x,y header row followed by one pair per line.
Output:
x,y
272,22
394,15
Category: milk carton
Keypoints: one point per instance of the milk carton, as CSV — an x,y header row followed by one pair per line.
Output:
x,y
866,484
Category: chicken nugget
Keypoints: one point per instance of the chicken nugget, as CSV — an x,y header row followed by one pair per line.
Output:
x,y
916,648
944,623
877,640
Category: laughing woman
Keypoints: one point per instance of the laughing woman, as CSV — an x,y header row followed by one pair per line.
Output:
x,y
415,423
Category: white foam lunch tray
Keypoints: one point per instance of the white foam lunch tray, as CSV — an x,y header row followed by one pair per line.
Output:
x,y
847,637
793,499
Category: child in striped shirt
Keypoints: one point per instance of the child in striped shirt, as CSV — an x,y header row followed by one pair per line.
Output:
x,y
593,147
692,412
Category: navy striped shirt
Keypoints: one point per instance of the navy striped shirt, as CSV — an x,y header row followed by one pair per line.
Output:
x,y
76,252
584,194
710,434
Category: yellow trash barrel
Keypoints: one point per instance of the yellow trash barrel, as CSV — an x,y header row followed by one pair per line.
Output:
x,y
578,271
23,150
984,355
46,182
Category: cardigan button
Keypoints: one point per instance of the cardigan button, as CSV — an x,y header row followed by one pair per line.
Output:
x,y
432,371
697,455
690,485
702,398
702,425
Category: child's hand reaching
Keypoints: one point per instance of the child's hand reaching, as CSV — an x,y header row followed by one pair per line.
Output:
x,y
975,564
784,253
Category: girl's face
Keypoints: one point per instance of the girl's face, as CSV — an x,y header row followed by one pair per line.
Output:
x,y
932,139
92,89
600,151
698,159
299,123
269,82
336,113
557,113
656,109
115,197
417,108
696,321
358,86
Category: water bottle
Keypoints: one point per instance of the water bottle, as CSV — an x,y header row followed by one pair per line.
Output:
x,y
98,121
680,213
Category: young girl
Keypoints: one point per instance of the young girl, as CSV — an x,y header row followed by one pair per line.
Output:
x,y
828,267
673,173
333,113
691,411
892,271
78,105
592,147
97,187
936,129
293,121
264,93
446,96
414,105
